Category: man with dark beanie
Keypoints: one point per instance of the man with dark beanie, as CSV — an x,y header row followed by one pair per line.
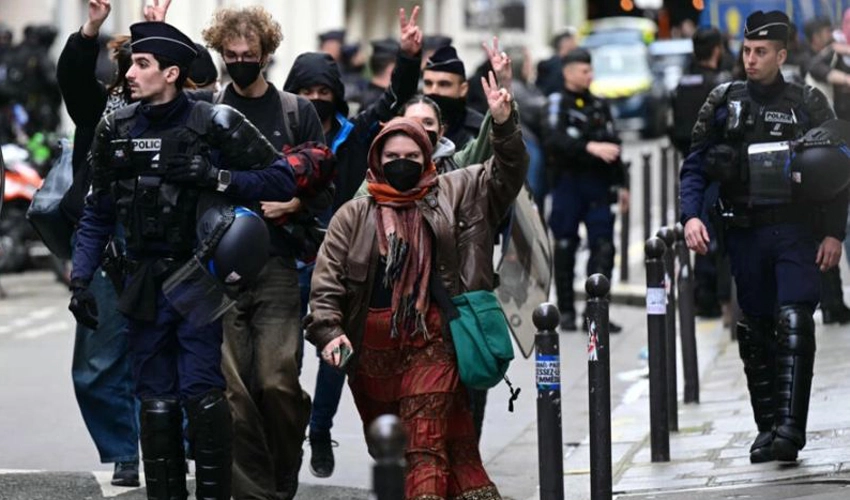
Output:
x,y
444,81
155,164
778,242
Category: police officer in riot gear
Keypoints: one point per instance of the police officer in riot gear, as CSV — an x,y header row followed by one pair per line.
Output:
x,y
711,271
583,159
771,235
154,164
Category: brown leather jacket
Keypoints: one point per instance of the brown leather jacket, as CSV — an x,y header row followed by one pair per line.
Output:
x,y
463,211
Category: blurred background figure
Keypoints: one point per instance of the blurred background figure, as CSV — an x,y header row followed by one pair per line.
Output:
x,y
550,78
381,66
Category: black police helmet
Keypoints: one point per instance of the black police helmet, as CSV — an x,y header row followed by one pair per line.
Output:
x,y
820,166
239,243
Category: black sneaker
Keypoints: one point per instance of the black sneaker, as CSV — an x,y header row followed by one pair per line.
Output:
x,y
840,315
322,455
126,474
287,486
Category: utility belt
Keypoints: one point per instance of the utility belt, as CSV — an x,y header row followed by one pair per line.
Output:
x,y
739,217
160,266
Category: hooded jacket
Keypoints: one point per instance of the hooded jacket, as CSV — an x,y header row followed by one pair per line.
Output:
x,y
462,210
350,139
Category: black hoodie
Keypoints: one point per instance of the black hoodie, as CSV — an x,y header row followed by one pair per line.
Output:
x,y
352,146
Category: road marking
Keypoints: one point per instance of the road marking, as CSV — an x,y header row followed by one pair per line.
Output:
x,y
56,326
21,323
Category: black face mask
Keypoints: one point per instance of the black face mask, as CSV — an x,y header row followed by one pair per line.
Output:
x,y
325,109
403,174
432,136
243,73
453,109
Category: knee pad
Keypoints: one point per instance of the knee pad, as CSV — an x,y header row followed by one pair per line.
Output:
x,y
210,439
162,448
161,428
796,330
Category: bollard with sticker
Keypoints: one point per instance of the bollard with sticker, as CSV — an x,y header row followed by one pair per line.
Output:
x,y
599,386
656,312
669,236
548,374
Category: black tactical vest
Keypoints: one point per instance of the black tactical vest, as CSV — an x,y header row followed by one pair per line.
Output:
x,y
762,178
159,217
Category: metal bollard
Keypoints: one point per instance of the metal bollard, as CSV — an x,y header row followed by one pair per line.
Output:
x,y
677,168
550,438
665,183
668,235
625,231
687,319
599,386
647,195
656,311
387,442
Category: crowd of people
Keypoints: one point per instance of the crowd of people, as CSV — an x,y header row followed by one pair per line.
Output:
x,y
342,210
165,147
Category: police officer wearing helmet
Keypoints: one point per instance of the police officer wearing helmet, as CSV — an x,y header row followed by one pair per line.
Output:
x,y
157,165
778,241
711,273
583,159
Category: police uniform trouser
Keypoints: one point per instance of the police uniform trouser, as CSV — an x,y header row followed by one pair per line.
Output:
x,y
260,362
778,283
580,198
174,361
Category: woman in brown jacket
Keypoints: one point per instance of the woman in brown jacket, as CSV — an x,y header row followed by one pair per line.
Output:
x,y
372,291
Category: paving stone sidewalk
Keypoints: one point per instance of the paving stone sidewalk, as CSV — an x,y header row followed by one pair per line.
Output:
x,y
711,450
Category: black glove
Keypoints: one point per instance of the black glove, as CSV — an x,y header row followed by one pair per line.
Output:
x,y
83,304
191,169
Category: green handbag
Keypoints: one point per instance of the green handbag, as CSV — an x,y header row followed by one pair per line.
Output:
x,y
481,338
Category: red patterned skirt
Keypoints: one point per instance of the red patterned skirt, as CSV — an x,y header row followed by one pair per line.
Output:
x,y
417,379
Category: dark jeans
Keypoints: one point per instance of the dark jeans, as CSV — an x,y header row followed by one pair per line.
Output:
x,y
260,361
102,379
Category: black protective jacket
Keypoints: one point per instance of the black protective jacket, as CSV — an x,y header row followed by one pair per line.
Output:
x,y
574,120
350,139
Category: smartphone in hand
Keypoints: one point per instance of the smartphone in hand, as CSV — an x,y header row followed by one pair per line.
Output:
x,y
345,353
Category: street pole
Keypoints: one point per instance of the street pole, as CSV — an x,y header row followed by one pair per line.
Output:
x,y
599,386
687,320
656,311
625,230
387,440
647,196
548,374
665,183
668,235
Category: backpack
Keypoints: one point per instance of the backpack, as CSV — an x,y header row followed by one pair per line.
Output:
x,y
289,106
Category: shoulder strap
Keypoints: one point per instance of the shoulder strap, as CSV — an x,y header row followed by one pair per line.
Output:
x,y
289,105
441,295
218,97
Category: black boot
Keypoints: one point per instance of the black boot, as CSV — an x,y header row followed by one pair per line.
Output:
x,y
601,261
210,434
161,425
755,345
832,299
795,360
565,263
